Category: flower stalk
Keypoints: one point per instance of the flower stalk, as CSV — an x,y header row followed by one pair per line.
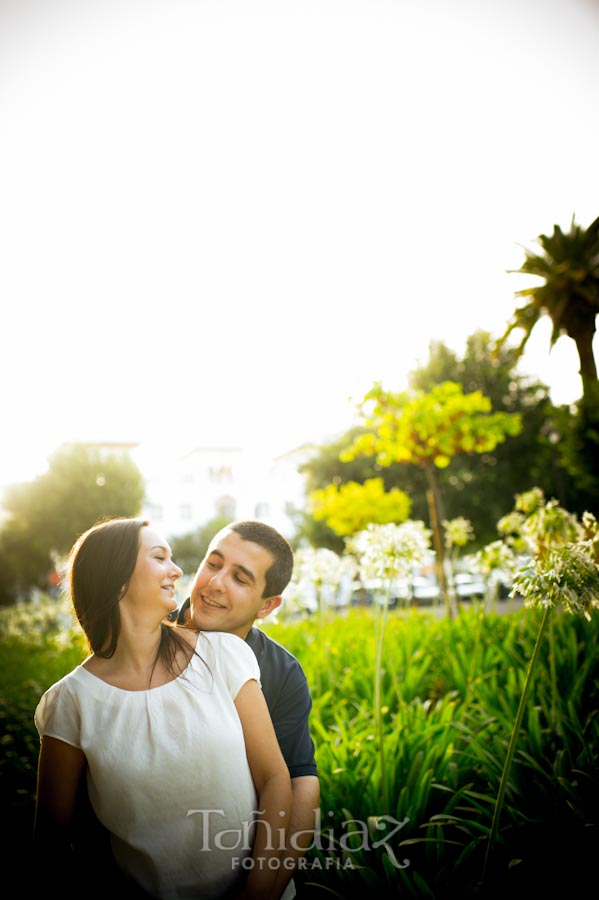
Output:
x,y
386,553
512,744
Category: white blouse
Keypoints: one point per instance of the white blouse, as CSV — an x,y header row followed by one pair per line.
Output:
x,y
167,769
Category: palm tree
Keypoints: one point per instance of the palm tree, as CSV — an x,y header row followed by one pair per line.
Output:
x,y
569,266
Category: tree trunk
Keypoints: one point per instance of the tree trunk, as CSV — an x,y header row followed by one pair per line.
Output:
x,y
435,509
588,366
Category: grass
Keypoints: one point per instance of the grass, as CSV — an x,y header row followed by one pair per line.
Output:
x,y
449,694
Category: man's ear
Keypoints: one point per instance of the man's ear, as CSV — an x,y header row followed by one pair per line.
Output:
x,y
269,605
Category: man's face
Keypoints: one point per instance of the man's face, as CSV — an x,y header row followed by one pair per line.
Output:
x,y
226,594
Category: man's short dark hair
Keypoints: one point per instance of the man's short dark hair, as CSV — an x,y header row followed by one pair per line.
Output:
x,y
278,575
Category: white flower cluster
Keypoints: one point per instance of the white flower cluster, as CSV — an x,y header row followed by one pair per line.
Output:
x,y
319,566
458,532
497,555
389,551
566,575
549,525
318,574
590,535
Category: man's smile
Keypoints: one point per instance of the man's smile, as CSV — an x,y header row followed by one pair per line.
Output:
x,y
212,603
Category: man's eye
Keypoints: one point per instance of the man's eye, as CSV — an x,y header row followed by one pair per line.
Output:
x,y
240,579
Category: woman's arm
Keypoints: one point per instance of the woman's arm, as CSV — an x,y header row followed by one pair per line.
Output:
x,y
266,878
60,769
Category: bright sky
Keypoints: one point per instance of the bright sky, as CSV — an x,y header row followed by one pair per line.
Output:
x,y
222,221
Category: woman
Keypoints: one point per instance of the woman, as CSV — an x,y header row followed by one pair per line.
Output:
x,y
170,728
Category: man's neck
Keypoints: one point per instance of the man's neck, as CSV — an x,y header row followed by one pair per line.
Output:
x,y
244,631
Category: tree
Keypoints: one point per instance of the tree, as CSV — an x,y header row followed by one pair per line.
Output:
x,y
428,430
350,507
25,562
569,294
44,517
325,468
482,487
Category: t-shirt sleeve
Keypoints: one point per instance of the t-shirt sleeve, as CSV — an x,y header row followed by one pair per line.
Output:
x,y
237,662
57,715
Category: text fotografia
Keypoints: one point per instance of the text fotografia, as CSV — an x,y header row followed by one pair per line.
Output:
x,y
274,863
355,835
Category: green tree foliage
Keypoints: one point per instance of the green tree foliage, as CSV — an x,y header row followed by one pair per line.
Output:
x,y
479,487
44,517
578,451
25,561
482,487
428,430
190,549
568,268
350,507
326,468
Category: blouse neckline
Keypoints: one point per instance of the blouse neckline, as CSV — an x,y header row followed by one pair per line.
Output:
x,y
156,687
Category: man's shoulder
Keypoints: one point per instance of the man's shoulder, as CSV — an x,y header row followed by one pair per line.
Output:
x,y
259,640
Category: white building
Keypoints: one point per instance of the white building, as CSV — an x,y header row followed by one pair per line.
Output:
x,y
185,492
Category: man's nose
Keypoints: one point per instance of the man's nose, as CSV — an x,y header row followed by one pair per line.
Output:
x,y
217,580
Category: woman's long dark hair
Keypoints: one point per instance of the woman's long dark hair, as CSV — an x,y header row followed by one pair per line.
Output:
x,y
101,563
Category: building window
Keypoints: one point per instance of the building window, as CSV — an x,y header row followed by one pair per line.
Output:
x,y
220,474
225,507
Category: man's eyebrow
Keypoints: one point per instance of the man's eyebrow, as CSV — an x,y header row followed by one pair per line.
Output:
x,y
216,553
247,572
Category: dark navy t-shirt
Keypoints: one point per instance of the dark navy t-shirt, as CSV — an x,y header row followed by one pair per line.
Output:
x,y
288,699
287,696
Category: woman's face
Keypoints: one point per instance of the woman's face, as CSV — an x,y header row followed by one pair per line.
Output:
x,y
152,584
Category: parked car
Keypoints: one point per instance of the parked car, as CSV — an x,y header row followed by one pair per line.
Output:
x,y
367,593
425,590
469,586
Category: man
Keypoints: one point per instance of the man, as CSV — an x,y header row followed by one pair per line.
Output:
x,y
241,579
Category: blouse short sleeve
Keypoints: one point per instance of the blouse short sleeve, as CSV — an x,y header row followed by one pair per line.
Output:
x,y
57,714
235,659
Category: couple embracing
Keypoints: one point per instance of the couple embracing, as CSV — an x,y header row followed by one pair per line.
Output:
x,y
187,729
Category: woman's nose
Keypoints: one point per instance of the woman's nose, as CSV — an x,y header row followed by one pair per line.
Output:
x,y
177,572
